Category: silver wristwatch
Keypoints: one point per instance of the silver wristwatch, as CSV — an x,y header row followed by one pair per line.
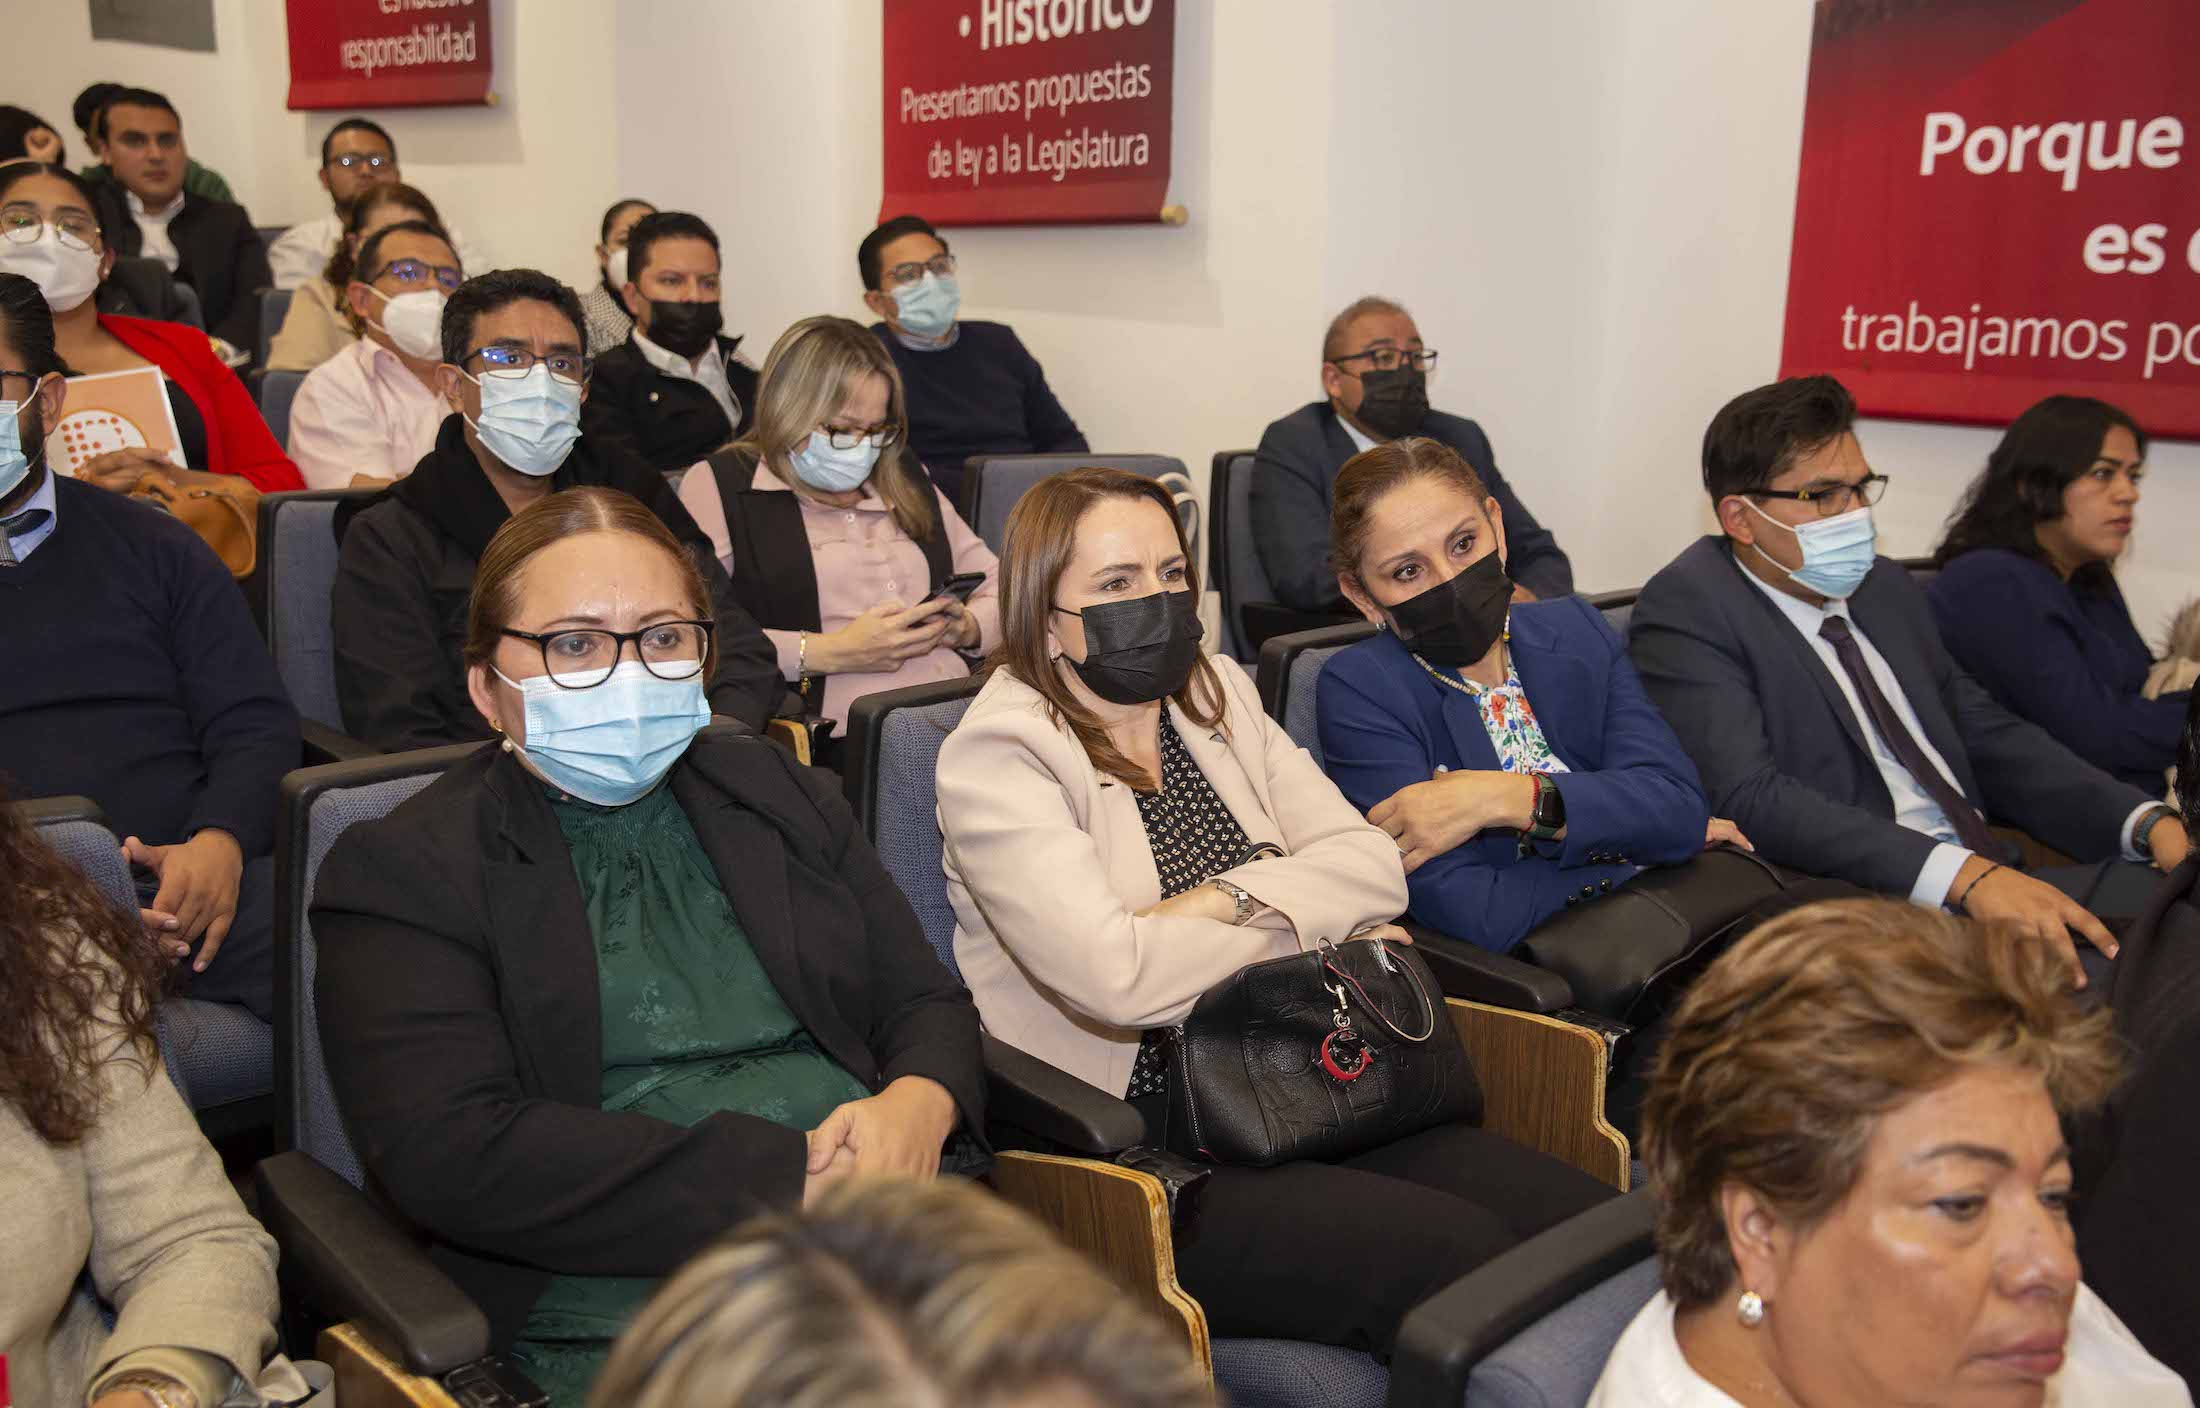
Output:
x,y
1246,904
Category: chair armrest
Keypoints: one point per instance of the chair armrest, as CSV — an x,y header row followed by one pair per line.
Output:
x,y
792,734
1119,1218
1543,1085
1445,1336
350,1262
1026,1096
1472,972
327,745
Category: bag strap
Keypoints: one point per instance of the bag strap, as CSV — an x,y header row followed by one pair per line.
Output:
x,y
1329,956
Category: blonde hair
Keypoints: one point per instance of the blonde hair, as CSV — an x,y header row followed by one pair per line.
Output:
x,y
1784,1055
892,1294
803,383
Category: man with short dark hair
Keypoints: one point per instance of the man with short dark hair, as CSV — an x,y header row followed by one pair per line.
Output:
x,y
1374,376
676,389
86,111
145,210
515,371
1806,677
356,156
971,387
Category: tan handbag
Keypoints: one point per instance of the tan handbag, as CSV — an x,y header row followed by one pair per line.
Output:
x,y
222,514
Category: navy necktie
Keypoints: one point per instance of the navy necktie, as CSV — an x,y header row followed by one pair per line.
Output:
x,y
22,525
1971,828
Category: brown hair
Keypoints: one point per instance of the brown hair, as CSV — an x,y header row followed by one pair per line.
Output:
x,y
337,272
802,385
1371,474
892,1294
78,981
1042,538
566,514
1784,1055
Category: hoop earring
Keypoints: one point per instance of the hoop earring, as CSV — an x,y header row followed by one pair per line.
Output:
x,y
1750,1310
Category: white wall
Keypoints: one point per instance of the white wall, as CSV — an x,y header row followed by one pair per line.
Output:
x,y
526,178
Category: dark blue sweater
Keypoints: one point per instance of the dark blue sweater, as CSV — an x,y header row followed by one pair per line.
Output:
x,y
133,676
982,395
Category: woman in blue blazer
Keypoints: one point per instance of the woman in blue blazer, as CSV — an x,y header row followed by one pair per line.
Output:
x,y
1509,749
2026,596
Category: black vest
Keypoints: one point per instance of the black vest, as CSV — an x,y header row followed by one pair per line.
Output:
x,y
774,576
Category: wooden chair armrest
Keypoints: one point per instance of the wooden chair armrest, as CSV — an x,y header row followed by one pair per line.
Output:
x,y
793,735
1543,1086
368,1378
1119,1218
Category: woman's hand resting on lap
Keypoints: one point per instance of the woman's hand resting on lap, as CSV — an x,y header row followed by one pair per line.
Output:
x,y
1721,829
896,1133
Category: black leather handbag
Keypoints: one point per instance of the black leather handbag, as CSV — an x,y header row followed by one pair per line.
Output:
x,y
1317,1056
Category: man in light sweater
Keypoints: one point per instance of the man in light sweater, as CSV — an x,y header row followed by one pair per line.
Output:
x,y
355,155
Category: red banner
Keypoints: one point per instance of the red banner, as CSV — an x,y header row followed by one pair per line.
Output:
x,y
1998,204
1017,112
388,53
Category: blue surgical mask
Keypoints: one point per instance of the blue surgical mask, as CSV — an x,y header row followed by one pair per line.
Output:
x,y
818,464
611,743
927,307
15,462
530,422
1838,552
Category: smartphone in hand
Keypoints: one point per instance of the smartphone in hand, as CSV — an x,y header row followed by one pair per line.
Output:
x,y
960,586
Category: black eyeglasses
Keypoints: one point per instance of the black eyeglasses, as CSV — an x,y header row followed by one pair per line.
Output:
x,y
1832,500
845,437
1389,359
415,273
583,659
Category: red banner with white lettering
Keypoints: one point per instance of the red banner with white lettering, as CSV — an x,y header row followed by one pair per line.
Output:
x,y
388,53
1017,112
1998,204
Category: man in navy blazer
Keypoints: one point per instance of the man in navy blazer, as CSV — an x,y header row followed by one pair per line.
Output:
x,y
1375,378
1805,676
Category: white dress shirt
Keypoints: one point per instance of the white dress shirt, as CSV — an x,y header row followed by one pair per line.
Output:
x,y
707,371
153,229
302,251
1914,807
362,412
1359,441
2104,1366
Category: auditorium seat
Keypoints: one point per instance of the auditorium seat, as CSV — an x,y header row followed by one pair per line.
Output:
x,y
297,573
1618,608
1545,1092
274,307
1250,612
993,483
277,391
219,1056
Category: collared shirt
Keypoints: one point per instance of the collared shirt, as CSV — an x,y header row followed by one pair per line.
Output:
x,y
708,371
1913,805
302,251
861,558
153,228
26,544
362,412
1507,718
1359,442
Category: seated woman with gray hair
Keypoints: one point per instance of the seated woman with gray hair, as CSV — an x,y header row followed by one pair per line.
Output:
x,y
1855,1134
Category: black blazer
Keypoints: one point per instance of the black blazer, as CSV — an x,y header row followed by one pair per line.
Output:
x,y
137,287
1786,760
668,421
458,1004
219,254
1291,495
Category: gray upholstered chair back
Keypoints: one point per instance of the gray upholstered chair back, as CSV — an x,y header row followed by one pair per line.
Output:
x,y
1297,704
188,308
298,558
993,483
1618,608
277,391
315,1125
1234,566
906,829
274,307
1554,1363
1617,617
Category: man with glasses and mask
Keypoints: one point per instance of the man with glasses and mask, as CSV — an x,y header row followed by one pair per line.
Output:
x,y
676,389
355,156
1375,372
514,374
972,388
1806,677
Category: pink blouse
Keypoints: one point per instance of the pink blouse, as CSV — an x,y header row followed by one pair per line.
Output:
x,y
862,559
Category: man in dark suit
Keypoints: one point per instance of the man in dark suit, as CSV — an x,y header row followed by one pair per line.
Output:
x,y
1375,380
674,390
145,210
1805,676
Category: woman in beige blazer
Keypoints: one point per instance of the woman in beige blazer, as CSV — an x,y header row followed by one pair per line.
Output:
x,y
110,1194
1093,907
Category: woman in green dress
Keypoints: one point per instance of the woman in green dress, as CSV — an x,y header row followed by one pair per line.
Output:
x,y
612,984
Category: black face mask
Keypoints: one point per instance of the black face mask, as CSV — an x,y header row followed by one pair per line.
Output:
x,y
1456,622
1393,403
1139,650
684,329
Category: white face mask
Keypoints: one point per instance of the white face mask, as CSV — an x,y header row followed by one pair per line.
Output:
x,y
66,276
819,464
529,422
615,268
414,322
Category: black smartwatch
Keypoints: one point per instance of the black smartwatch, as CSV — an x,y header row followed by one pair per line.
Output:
x,y
2148,820
1549,816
